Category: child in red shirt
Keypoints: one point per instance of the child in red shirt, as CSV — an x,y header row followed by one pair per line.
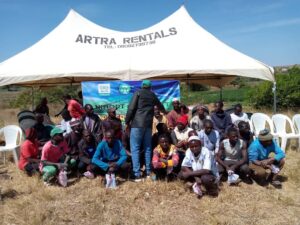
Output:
x,y
29,153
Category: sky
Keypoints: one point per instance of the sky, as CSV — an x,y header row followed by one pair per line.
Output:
x,y
267,30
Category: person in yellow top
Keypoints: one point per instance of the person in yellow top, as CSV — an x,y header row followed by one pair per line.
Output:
x,y
165,158
158,118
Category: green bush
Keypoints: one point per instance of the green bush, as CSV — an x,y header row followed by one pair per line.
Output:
x,y
198,87
288,91
240,82
53,94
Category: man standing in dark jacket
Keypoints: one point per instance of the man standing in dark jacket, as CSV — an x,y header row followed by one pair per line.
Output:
x,y
140,117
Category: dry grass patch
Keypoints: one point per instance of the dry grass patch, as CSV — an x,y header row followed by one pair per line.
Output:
x,y
27,201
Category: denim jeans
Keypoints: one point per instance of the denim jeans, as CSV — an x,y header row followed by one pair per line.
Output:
x,y
139,137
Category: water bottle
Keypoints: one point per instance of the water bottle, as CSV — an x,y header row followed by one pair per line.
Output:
x,y
113,181
108,180
275,169
62,178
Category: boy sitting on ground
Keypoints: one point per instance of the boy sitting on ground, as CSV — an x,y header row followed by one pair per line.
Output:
x,y
260,161
165,158
54,156
232,156
87,148
110,155
197,168
29,153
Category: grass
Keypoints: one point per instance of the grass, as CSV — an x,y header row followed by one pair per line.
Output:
x,y
27,201
229,94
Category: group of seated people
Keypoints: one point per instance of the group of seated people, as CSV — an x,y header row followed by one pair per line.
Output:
x,y
202,151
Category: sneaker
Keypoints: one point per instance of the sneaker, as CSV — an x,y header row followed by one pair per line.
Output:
x,y
248,180
276,184
89,175
47,184
136,179
197,190
213,193
233,178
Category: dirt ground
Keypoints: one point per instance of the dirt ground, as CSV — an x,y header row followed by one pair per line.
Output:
x,y
25,200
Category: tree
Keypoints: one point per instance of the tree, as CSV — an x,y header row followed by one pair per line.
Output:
x,y
288,91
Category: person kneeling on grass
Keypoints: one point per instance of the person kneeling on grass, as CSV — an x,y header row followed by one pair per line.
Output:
x,y
87,148
110,156
165,158
197,168
54,158
29,153
232,157
260,161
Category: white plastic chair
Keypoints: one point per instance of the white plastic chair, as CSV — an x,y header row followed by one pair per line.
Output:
x,y
296,122
13,137
259,121
280,121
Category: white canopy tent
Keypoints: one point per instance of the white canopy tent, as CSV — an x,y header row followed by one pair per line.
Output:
x,y
175,48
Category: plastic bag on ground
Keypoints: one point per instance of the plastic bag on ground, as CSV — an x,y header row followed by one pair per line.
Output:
x,y
62,178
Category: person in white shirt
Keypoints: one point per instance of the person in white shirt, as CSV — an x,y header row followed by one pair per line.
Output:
x,y
197,167
238,115
65,122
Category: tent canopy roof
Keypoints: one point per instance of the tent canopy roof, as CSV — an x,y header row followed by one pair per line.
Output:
x,y
175,48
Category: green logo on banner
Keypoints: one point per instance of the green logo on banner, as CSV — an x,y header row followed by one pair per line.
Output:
x,y
124,89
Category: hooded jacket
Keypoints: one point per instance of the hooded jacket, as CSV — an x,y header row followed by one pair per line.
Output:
x,y
141,109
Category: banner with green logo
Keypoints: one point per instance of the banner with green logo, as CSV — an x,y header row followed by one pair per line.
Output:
x,y
105,94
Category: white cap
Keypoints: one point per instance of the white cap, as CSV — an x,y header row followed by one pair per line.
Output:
x,y
175,100
194,138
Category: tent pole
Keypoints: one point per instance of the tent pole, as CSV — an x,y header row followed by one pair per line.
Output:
x,y
221,94
188,85
274,99
32,98
188,88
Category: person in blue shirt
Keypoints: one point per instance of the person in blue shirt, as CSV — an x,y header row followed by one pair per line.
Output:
x,y
110,155
260,160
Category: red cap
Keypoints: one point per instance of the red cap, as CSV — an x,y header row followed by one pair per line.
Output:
x,y
183,119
